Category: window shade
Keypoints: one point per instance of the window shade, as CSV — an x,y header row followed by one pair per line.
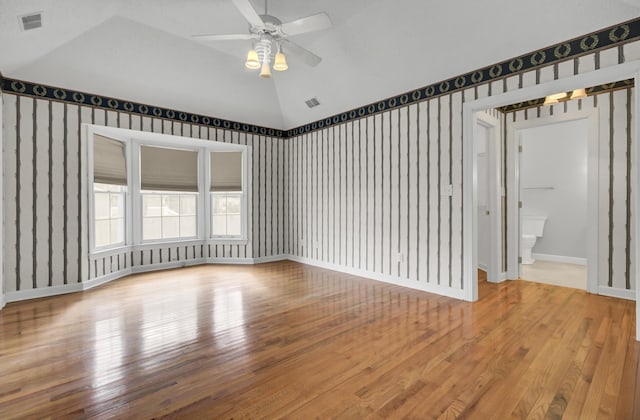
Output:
x,y
164,169
109,162
226,171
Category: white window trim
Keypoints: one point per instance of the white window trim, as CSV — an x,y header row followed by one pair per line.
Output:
x,y
133,139
242,219
93,220
170,240
91,205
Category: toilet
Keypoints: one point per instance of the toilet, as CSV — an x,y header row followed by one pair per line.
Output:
x,y
532,229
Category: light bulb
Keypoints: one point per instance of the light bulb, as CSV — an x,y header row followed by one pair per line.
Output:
x,y
280,63
265,73
252,60
579,93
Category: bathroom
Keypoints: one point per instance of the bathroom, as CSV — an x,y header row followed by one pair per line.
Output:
x,y
553,192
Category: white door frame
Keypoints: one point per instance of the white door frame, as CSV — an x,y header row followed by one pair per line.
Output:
x,y
606,75
2,299
494,193
513,190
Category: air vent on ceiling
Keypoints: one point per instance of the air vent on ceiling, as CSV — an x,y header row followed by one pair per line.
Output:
x,y
31,21
313,102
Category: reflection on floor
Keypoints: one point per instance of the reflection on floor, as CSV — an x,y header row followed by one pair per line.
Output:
x,y
556,273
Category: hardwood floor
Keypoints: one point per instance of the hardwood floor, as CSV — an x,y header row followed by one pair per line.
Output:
x,y
288,340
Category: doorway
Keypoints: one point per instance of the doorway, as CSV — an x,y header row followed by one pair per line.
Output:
x,y
469,208
536,187
553,191
488,192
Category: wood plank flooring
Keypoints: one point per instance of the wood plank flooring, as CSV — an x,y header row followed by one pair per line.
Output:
x,y
293,341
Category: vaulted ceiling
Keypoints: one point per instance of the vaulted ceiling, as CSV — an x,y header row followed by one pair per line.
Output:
x,y
143,51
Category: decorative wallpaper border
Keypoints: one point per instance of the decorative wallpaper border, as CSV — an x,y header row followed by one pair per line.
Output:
x,y
605,38
593,90
82,98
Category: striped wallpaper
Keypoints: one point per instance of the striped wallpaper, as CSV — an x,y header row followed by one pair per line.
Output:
x,y
368,194
45,194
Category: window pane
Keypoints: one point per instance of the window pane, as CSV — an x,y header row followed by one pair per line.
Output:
x,y
187,226
187,205
233,204
101,206
117,231
170,205
117,205
170,227
151,228
219,225
102,233
151,205
219,205
234,225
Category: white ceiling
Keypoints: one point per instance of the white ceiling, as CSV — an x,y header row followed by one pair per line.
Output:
x,y
142,51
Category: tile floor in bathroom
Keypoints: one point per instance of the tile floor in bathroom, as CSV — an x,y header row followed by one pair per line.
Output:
x,y
556,273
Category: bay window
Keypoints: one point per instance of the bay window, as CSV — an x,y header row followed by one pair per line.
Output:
x,y
148,188
226,194
109,191
169,193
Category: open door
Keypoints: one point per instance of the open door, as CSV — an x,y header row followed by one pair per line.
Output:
x,y
489,195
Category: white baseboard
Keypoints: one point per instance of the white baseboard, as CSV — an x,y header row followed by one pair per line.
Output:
x,y
18,295
560,258
90,284
167,265
98,281
272,258
483,266
425,287
227,260
617,293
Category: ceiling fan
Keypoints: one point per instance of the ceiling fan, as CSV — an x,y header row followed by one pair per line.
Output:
x,y
269,37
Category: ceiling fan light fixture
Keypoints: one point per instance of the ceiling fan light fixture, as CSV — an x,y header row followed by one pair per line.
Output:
x,y
265,73
280,63
253,61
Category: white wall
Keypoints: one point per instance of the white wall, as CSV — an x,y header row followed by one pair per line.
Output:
x,y
553,182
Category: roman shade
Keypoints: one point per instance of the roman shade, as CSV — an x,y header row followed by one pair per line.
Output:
x,y
226,171
109,162
163,169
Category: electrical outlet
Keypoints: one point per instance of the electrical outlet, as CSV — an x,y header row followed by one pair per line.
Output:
x,y
317,245
446,190
400,257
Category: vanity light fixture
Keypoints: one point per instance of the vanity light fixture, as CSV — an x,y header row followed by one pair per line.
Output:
x,y
564,96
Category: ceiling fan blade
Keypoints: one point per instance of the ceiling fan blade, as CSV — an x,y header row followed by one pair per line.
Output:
x,y
303,54
249,13
229,37
311,23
